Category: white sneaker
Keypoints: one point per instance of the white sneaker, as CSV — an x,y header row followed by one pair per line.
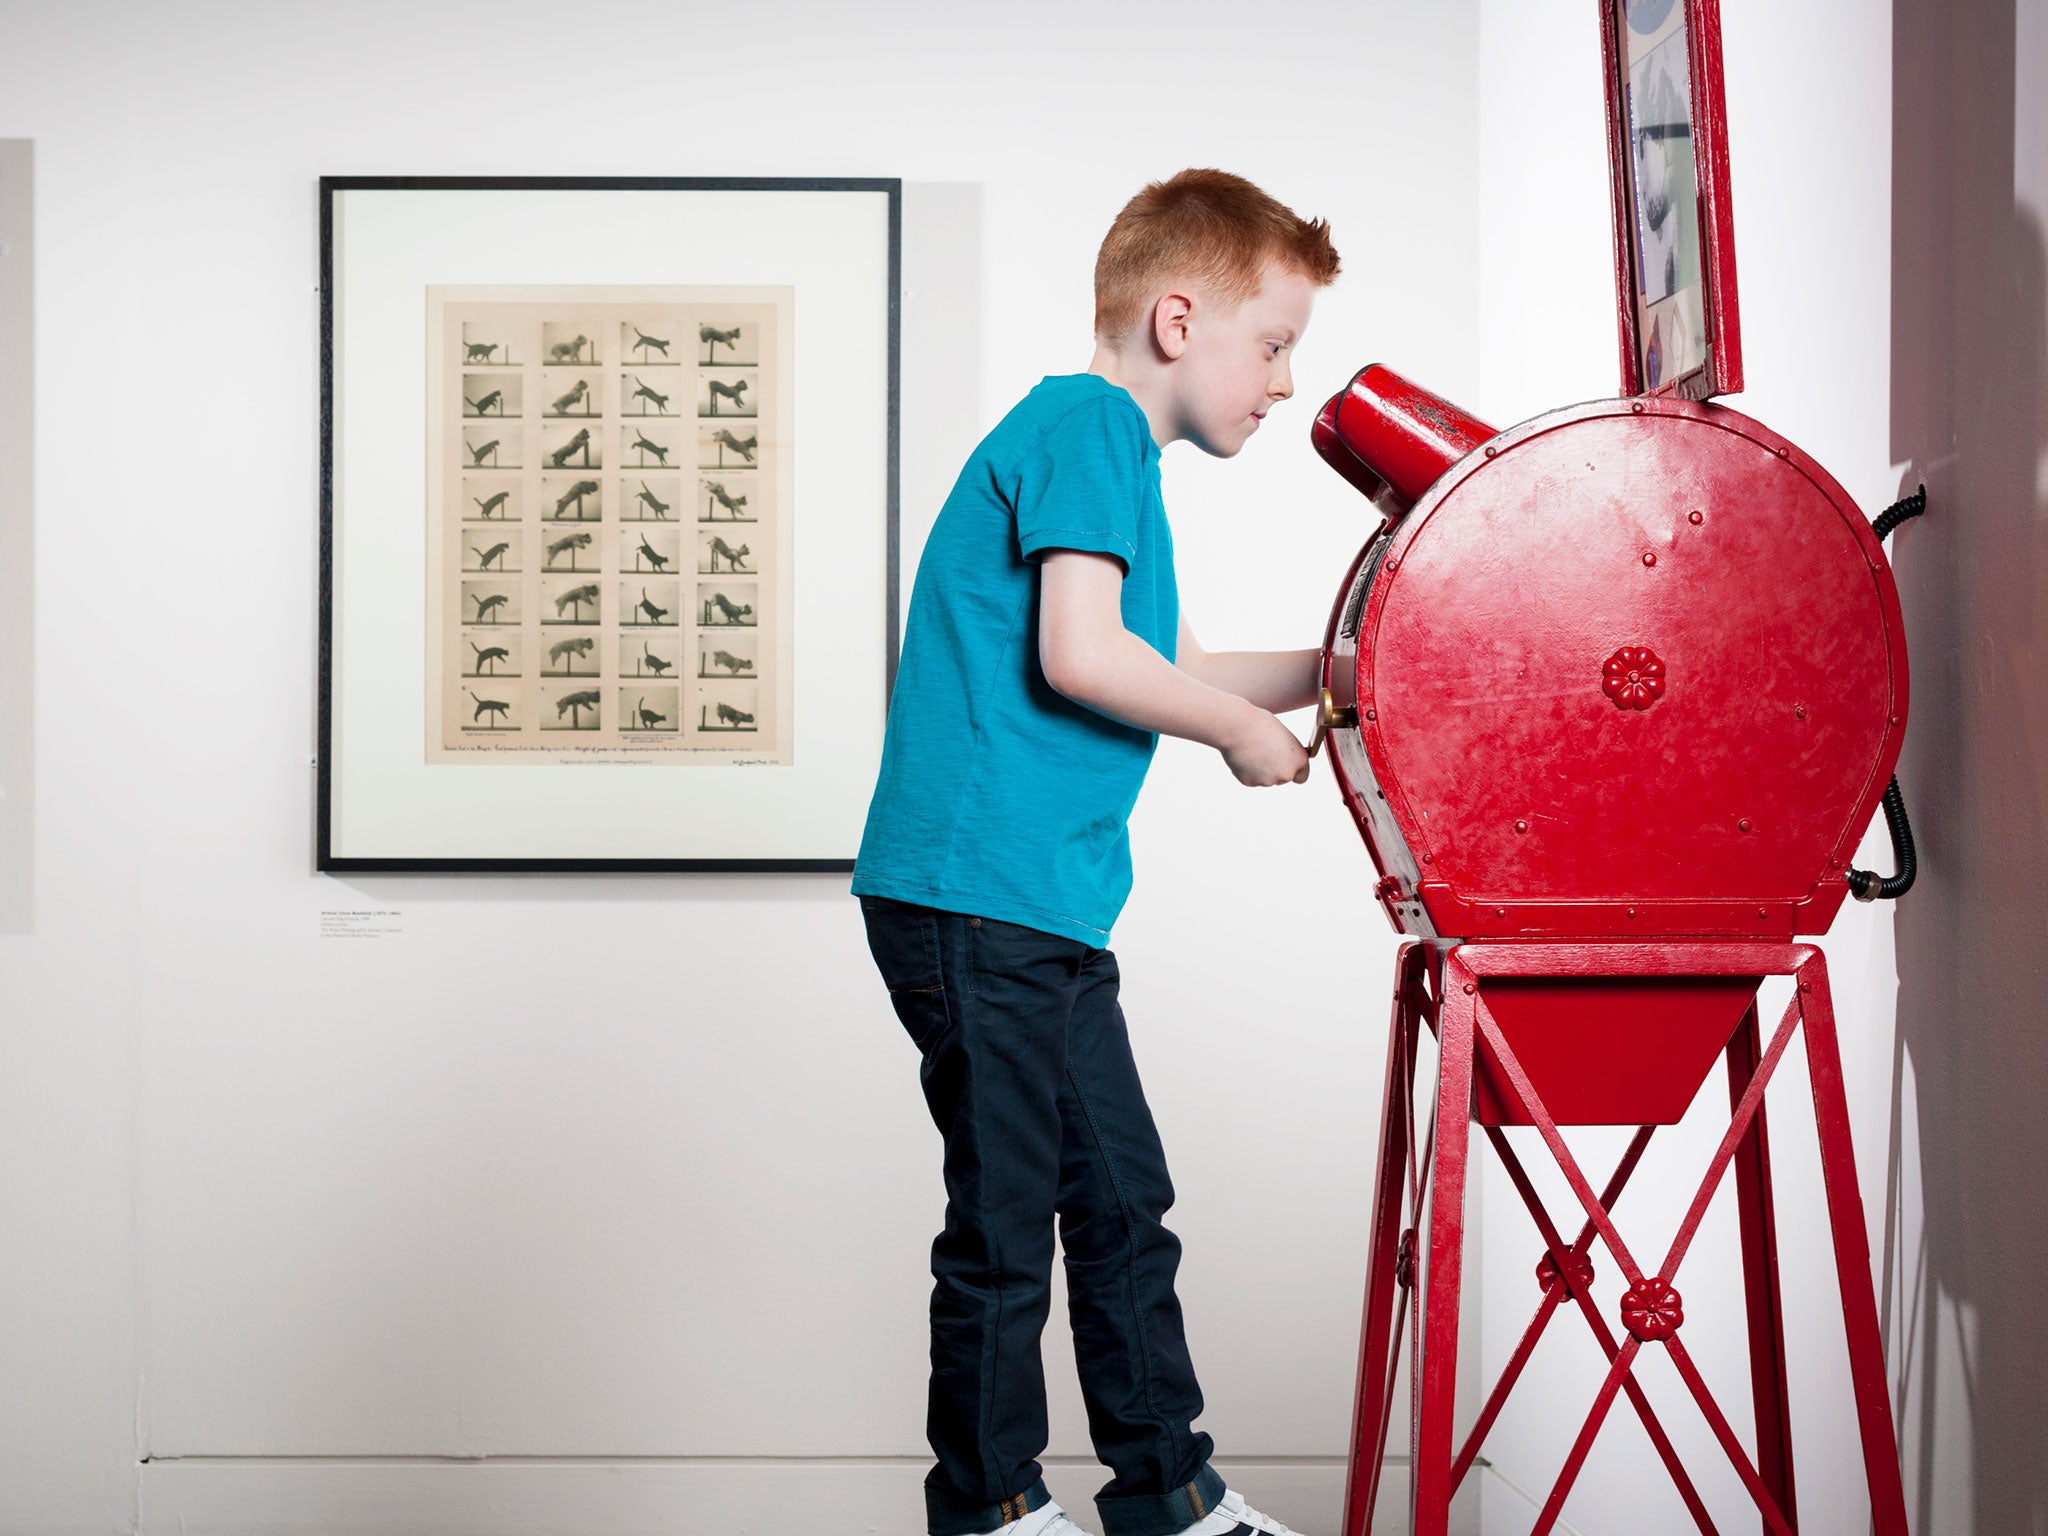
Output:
x,y
1046,1520
1233,1517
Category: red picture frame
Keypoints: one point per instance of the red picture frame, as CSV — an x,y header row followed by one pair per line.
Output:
x,y
1701,356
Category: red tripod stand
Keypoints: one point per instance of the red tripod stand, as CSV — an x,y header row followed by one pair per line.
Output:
x,y
1548,1034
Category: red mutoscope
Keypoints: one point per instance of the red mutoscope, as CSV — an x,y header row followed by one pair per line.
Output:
x,y
1612,696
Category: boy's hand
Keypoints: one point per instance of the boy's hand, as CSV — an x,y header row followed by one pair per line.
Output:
x,y
1265,752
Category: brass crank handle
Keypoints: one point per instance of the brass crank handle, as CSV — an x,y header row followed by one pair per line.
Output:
x,y
1330,718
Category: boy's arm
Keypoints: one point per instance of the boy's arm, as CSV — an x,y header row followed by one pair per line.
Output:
x,y
1087,655
1274,680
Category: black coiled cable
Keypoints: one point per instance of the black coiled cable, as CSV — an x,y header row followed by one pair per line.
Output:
x,y
1864,884
1898,512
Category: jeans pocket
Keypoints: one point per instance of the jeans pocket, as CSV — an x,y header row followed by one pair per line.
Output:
x,y
904,940
1000,952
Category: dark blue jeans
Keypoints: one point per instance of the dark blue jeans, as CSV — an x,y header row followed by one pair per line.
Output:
x,y
1027,1069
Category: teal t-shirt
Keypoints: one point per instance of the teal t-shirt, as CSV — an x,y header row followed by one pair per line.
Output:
x,y
997,795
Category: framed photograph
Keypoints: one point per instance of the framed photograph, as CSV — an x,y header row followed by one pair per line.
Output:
x,y
1674,237
608,521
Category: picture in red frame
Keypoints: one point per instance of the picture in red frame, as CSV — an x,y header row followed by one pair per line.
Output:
x,y
1674,244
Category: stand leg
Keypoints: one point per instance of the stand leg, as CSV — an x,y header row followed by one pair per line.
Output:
x,y
1438,1374
1852,1253
1758,1221
1382,1298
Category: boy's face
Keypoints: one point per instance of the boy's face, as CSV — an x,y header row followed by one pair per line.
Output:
x,y
1236,364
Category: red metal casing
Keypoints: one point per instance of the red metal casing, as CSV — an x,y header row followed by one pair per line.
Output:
x,y
1633,668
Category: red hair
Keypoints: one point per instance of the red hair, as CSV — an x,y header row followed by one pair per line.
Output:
x,y
1207,225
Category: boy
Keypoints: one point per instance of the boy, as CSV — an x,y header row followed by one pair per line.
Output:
x,y
1045,652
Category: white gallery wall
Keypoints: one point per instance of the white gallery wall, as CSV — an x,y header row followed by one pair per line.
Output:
x,y
602,1204
17,530
472,1227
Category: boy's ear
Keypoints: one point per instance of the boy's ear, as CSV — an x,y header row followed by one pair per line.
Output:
x,y
1170,324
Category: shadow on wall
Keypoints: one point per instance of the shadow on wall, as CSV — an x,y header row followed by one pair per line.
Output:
x,y
1970,417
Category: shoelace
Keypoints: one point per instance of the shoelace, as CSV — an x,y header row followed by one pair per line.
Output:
x,y
1250,1516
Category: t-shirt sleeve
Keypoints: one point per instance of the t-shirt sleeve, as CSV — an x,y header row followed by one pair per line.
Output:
x,y
1081,486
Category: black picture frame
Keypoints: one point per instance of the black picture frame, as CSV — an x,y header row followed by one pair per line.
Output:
x,y
797,838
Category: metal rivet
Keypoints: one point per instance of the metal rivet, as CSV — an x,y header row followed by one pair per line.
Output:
x,y
1895,722
1806,986
1694,518
1798,711
1500,911
1393,563
974,922
1470,989
1650,557
1521,826
1631,911
1491,450
1372,714
1760,912
1429,858
1743,825
1637,407
1784,453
